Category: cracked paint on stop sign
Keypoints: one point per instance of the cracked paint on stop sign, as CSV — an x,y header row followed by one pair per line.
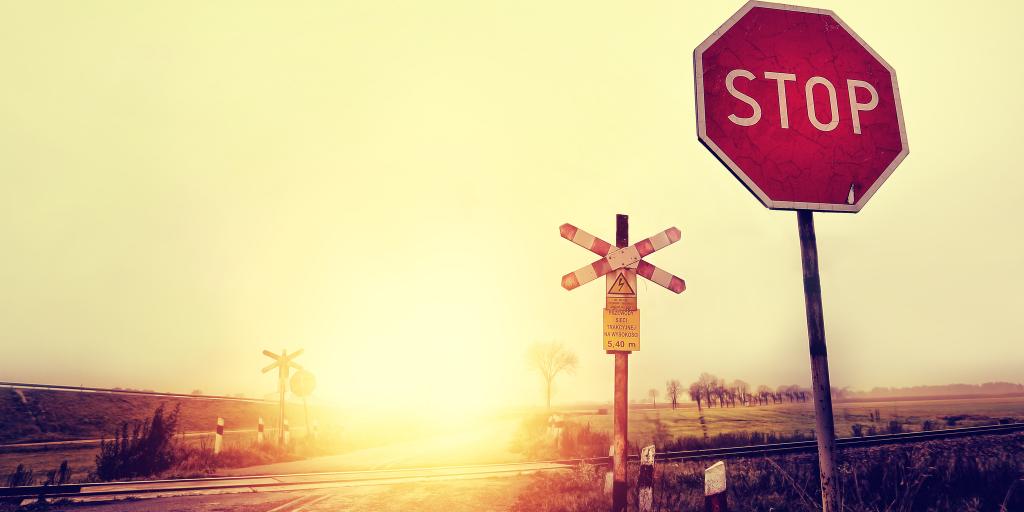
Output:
x,y
818,163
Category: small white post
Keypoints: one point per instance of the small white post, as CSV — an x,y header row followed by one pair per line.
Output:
x,y
714,488
218,437
287,433
259,431
645,482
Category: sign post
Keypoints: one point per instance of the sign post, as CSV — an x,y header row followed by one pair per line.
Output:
x,y
303,384
283,363
621,321
808,117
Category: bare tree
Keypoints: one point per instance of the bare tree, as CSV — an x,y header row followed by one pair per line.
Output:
x,y
742,390
696,392
708,385
763,392
653,394
672,390
550,359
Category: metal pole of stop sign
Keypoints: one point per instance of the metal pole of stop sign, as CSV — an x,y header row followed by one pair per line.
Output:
x,y
619,488
824,424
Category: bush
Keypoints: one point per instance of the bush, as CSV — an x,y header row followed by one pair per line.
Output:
x,y
535,440
199,460
145,451
895,427
729,439
582,441
857,430
20,477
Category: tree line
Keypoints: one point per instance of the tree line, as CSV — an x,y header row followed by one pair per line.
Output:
x,y
709,391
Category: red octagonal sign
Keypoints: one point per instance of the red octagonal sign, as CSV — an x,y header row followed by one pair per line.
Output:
x,y
799,108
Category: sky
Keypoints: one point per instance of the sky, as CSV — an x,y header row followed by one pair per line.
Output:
x,y
381,183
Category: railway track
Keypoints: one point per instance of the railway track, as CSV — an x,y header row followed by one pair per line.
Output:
x,y
264,483
83,389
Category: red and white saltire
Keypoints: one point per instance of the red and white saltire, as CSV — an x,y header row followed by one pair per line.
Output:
x,y
615,258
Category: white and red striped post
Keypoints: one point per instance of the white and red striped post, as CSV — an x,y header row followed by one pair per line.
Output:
x,y
714,488
645,482
218,437
259,431
286,435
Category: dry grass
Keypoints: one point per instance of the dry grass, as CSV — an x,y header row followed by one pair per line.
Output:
x,y
961,475
798,418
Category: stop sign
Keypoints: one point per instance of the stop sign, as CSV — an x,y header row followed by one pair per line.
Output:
x,y
303,383
799,108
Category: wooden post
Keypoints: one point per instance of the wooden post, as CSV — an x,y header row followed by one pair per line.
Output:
x,y
824,423
259,431
621,416
285,433
218,437
282,383
305,410
714,488
645,482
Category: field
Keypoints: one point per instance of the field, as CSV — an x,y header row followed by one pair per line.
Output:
x,y
46,415
30,415
799,417
963,475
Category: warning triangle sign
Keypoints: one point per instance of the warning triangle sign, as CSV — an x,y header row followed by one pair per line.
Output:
x,y
621,286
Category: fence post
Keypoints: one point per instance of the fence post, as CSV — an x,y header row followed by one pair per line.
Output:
x,y
218,437
286,435
259,431
714,488
645,482
609,478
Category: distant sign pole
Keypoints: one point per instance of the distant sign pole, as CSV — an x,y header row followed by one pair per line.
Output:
x,y
303,384
283,363
808,117
621,320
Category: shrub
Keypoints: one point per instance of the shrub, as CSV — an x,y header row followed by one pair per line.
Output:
x,y
895,427
199,460
143,451
20,477
729,439
857,430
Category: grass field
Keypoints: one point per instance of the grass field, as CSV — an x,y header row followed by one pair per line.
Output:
x,y
48,415
31,415
790,417
962,475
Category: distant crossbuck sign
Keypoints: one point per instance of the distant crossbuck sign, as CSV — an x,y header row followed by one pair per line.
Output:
x,y
620,266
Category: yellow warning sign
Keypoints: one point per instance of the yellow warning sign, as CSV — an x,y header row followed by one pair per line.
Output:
x,y
620,289
621,330
620,286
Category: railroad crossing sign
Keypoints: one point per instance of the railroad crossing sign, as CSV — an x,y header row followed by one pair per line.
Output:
x,y
799,108
620,264
283,363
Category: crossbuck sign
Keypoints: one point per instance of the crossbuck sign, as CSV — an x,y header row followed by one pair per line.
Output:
x,y
620,266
